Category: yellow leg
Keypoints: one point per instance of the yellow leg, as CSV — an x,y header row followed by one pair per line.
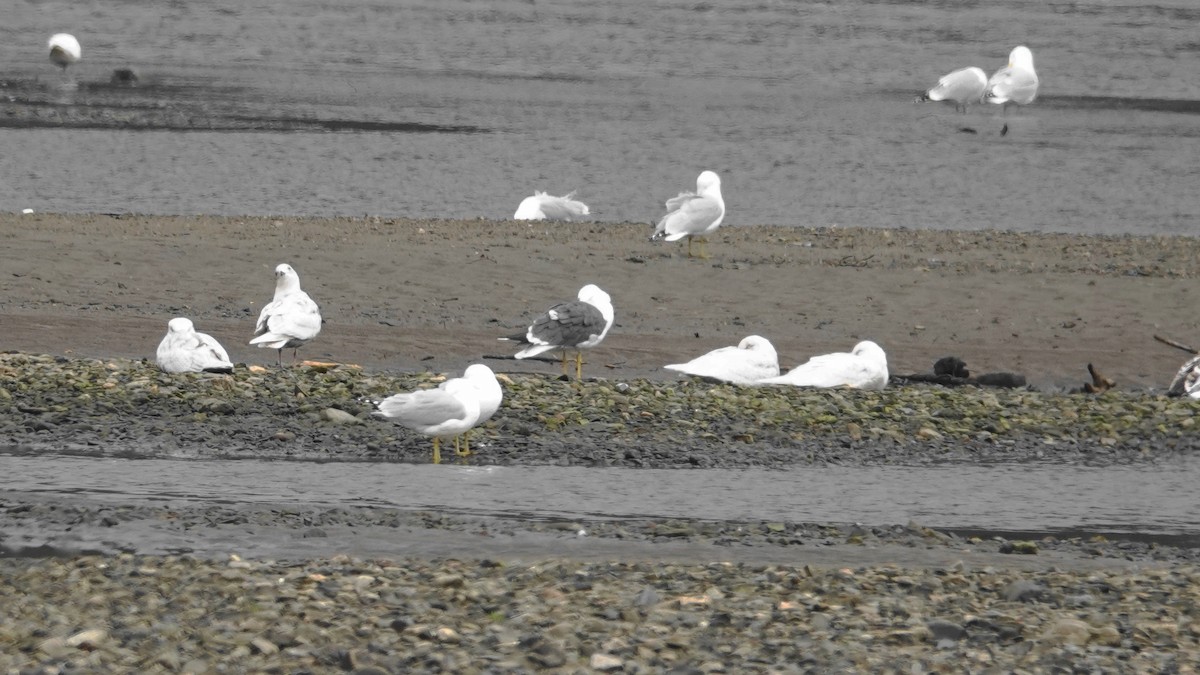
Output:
x,y
703,248
564,363
578,365
466,446
689,247
437,450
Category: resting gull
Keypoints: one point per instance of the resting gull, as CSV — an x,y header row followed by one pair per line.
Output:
x,y
577,324
693,214
542,206
1187,380
753,359
183,350
452,409
863,368
290,319
1015,83
962,86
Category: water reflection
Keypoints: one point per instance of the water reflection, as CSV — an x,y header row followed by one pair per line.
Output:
x,y
1148,499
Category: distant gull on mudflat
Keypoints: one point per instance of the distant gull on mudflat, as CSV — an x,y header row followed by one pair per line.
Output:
x,y
962,86
452,409
693,214
753,359
290,319
863,368
576,324
542,206
183,350
1015,83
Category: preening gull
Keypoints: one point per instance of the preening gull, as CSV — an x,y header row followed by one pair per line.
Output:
x,y
542,206
452,409
753,359
290,319
963,86
577,324
863,368
1015,83
693,214
1187,380
183,350
64,50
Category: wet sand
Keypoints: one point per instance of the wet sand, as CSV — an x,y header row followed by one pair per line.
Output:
x,y
433,295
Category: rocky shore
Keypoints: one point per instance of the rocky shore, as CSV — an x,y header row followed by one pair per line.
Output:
x,y
176,614
106,585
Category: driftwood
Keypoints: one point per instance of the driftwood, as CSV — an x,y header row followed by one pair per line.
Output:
x,y
1177,345
1004,380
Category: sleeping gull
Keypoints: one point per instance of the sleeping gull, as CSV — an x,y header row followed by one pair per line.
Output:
x,y
542,206
864,368
1187,380
452,409
290,319
183,350
962,86
64,50
1015,83
577,324
753,359
693,214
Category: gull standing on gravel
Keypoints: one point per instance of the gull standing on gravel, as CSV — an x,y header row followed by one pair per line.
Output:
x,y
576,324
290,319
452,409
1015,83
183,350
863,368
64,50
542,206
693,214
962,86
753,359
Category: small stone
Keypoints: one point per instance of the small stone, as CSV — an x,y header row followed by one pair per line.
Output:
x,y
1023,591
941,629
339,416
264,646
605,662
1068,632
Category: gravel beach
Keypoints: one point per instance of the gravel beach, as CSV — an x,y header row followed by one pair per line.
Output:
x,y
121,587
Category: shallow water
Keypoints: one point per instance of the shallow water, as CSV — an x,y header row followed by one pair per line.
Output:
x,y
459,109
1152,500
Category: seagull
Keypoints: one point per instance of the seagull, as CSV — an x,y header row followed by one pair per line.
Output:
x,y
962,86
290,319
1015,83
864,368
753,359
183,350
1187,381
64,50
490,396
452,409
577,324
693,214
542,206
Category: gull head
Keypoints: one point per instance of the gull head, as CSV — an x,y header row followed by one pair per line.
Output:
x,y
479,373
756,343
869,349
1021,57
592,295
64,49
180,325
708,181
